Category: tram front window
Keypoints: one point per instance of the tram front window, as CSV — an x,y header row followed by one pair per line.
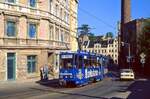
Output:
x,y
66,63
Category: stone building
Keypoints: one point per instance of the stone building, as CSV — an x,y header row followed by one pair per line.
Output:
x,y
33,33
102,45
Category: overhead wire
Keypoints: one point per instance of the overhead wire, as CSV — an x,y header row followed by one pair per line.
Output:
x,y
97,18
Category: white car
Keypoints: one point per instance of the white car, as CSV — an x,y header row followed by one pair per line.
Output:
x,y
127,74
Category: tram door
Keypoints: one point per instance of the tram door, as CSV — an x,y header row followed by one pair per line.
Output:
x,y
11,66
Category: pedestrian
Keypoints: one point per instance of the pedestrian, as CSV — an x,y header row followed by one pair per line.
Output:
x,y
41,73
45,69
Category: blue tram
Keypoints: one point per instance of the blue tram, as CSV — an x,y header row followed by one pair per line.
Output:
x,y
80,68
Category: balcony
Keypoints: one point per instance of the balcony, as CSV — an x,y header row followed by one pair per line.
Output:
x,y
32,43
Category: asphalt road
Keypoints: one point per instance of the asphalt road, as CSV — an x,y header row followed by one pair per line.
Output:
x,y
106,89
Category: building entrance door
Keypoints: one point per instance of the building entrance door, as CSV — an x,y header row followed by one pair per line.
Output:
x,y
11,66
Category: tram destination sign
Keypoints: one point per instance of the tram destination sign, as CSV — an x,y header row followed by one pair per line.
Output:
x,y
66,56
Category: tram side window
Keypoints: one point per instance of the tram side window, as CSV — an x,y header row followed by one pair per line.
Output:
x,y
80,62
87,63
95,63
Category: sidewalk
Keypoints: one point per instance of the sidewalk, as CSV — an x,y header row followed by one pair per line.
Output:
x,y
16,83
21,83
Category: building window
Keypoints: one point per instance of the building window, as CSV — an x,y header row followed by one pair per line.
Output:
x,y
33,3
115,50
31,63
109,50
65,16
68,37
11,1
57,34
32,30
62,36
11,28
51,32
61,13
95,51
50,5
57,9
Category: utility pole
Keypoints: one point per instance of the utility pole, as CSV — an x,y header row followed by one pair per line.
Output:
x,y
129,53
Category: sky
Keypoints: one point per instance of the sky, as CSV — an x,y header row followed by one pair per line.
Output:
x,y
103,15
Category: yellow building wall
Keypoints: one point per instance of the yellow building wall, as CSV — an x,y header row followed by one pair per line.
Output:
x,y
24,2
73,24
22,27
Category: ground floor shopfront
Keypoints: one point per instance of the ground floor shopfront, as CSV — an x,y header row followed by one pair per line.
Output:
x,y
24,64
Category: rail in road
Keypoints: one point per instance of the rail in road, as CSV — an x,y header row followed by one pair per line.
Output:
x,y
104,89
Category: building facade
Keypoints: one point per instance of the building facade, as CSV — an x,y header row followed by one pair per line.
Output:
x,y
129,34
73,24
133,31
33,33
104,46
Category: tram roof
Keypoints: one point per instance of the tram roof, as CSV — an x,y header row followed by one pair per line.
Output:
x,y
83,53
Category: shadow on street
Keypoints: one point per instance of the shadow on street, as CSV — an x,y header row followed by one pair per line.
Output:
x,y
54,83
69,93
140,89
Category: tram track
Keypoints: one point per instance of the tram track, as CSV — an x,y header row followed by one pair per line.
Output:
x,y
99,90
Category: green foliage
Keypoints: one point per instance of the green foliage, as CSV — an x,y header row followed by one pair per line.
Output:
x,y
85,30
109,34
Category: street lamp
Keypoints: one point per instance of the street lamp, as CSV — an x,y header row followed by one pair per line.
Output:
x,y
129,51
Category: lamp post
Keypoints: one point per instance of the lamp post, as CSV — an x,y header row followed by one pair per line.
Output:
x,y
129,52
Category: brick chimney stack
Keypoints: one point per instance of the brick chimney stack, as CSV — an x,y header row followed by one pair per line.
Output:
x,y
125,11
125,18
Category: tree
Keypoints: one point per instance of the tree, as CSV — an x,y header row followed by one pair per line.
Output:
x,y
109,34
85,30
